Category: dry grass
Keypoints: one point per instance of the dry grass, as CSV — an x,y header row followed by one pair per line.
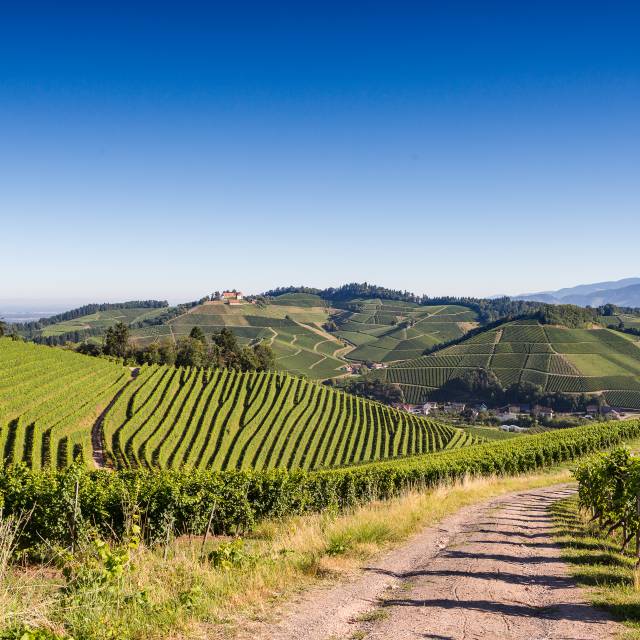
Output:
x,y
187,597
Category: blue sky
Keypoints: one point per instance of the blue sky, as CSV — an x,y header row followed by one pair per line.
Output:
x,y
169,149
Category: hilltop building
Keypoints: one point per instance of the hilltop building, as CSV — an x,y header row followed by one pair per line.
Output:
x,y
232,297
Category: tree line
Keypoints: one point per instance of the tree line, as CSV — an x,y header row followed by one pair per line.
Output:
x,y
482,385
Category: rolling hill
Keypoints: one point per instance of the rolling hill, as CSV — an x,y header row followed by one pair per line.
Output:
x,y
226,419
51,400
388,330
291,325
556,358
624,293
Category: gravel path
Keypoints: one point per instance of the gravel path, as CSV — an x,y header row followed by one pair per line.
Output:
x,y
489,571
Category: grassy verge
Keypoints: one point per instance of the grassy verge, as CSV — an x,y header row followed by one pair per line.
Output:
x,y
596,563
187,595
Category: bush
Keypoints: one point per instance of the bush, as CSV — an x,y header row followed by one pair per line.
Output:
x,y
242,498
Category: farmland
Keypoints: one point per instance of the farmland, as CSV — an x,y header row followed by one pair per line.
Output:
x,y
101,320
172,417
387,330
49,398
555,358
292,326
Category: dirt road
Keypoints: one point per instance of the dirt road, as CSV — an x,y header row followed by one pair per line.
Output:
x,y
489,571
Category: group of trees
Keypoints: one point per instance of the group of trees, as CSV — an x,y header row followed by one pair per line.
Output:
x,y
194,350
482,385
386,392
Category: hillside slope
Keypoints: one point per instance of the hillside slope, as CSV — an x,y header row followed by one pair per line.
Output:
x,y
223,419
388,330
555,358
49,398
292,326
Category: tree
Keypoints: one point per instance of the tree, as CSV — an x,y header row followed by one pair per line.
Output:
x,y
226,340
3,327
265,357
198,334
190,352
116,340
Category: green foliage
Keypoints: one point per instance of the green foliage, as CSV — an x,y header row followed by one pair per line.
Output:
x,y
609,486
116,340
229,554
48,399
242,498
231,420
551,365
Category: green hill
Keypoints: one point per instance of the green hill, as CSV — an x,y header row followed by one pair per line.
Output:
x,y
50,400
388,330
226,420
556,358
291,325
101,320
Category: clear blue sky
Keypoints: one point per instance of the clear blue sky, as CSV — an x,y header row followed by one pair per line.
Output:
x,y
169,149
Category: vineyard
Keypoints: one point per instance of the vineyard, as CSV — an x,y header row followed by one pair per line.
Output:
x,y
555,358
172,418
238,499
609,488
49,398
291,324
387,330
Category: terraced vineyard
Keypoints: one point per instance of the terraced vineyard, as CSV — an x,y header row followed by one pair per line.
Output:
x,y
172,418
387,330
291,324
556,358
169,417
49,398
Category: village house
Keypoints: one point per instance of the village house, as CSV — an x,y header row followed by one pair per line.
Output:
x,y
378,365
428,407
229,296
542,412
611,414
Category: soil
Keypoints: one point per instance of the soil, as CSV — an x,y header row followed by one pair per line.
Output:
x,y
489,571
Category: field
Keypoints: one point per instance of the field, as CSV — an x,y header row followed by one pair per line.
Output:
x,y
387,330
101,320
170,417
291,325
556,358
173,418
630,321
49,398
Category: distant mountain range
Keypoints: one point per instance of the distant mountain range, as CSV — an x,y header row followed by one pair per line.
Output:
x,y
624,293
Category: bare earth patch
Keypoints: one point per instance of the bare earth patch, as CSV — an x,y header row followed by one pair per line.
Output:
x,y
489,571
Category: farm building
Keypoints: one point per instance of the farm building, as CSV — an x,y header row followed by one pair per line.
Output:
x,y
228,296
